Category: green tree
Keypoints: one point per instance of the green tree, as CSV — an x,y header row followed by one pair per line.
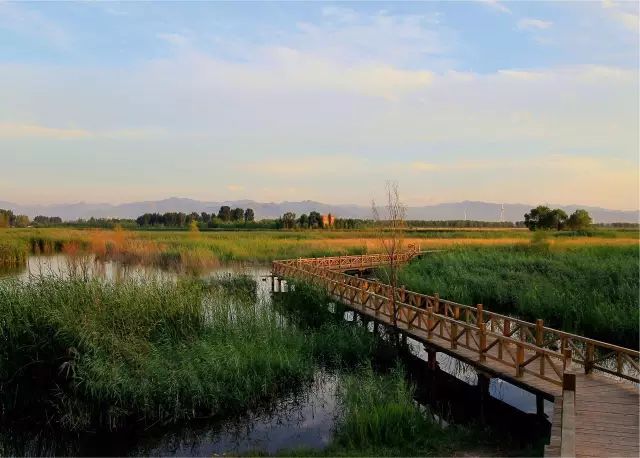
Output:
x,y
534,219
237,214
249,216
579,220
303,221
289,220
556,219
542,217
225,213
315,220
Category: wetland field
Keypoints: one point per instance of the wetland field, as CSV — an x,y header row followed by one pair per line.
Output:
x,y
170,343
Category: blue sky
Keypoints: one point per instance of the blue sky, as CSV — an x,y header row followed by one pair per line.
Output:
x,y
499,101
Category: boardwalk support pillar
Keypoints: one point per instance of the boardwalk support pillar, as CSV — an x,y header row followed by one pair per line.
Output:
x,y
432,362
539,405
484,381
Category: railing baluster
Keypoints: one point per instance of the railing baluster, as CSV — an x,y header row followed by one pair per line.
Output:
x,y
539,342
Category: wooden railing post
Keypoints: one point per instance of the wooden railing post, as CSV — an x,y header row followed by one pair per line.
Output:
x,y
619,362
506,328
429,322
436,302
482,334
588,359
540,342
519,360
568,356
454,327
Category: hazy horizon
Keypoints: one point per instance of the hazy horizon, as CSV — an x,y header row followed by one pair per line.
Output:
x,y
257,200
127,102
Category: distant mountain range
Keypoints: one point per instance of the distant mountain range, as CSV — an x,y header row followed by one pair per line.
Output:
x,y
483,211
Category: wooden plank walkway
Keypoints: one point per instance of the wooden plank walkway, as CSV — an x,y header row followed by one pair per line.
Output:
x,y
597,417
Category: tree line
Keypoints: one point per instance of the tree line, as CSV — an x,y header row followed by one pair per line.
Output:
x,y
539,218
545,218
9,219
179,219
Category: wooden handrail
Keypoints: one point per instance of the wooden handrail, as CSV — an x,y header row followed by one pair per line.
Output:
x,y
507,325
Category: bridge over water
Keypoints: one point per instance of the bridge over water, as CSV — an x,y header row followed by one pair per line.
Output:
x,y
594,384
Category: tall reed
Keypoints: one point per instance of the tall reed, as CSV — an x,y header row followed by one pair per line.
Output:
x,y
590,290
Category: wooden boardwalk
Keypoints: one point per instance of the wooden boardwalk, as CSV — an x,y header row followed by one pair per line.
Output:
x,y
594,384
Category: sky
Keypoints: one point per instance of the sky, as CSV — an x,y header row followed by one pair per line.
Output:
x,y
528,102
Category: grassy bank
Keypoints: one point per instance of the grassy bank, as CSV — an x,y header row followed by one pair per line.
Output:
x,y
588,290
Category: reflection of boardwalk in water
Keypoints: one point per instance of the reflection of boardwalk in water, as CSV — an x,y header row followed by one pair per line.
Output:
x,y
537,358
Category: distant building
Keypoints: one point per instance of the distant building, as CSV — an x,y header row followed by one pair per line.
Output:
x,y
328,220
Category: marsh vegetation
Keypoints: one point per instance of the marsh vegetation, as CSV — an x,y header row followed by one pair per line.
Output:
x,y
590,290
130,353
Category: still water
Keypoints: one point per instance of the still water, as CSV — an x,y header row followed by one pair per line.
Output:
x,y
303,418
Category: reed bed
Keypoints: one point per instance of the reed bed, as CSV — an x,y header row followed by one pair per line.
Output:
x,y
147,350
85,353
13,253
591,290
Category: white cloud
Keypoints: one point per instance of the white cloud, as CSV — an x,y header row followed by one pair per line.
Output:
x,y
533,24
626,13
175,39
396,39
496,5
340,13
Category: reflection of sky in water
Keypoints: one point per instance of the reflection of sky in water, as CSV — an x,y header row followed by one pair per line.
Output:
x,y
305,420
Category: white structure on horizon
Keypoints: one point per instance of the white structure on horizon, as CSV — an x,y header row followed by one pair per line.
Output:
x,y
502,213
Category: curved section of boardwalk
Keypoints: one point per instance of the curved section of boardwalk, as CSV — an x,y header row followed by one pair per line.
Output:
x,y
595,384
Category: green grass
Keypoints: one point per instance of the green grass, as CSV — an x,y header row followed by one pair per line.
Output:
x,y
13,253
380,417
96,354
149,350
589,290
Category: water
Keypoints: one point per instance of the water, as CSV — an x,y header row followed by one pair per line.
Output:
x,y
303,418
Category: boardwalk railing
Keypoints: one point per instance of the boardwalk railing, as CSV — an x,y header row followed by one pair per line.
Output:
x,y
361,261
525,347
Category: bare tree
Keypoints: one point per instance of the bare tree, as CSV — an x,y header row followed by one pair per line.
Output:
x,y
391,233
